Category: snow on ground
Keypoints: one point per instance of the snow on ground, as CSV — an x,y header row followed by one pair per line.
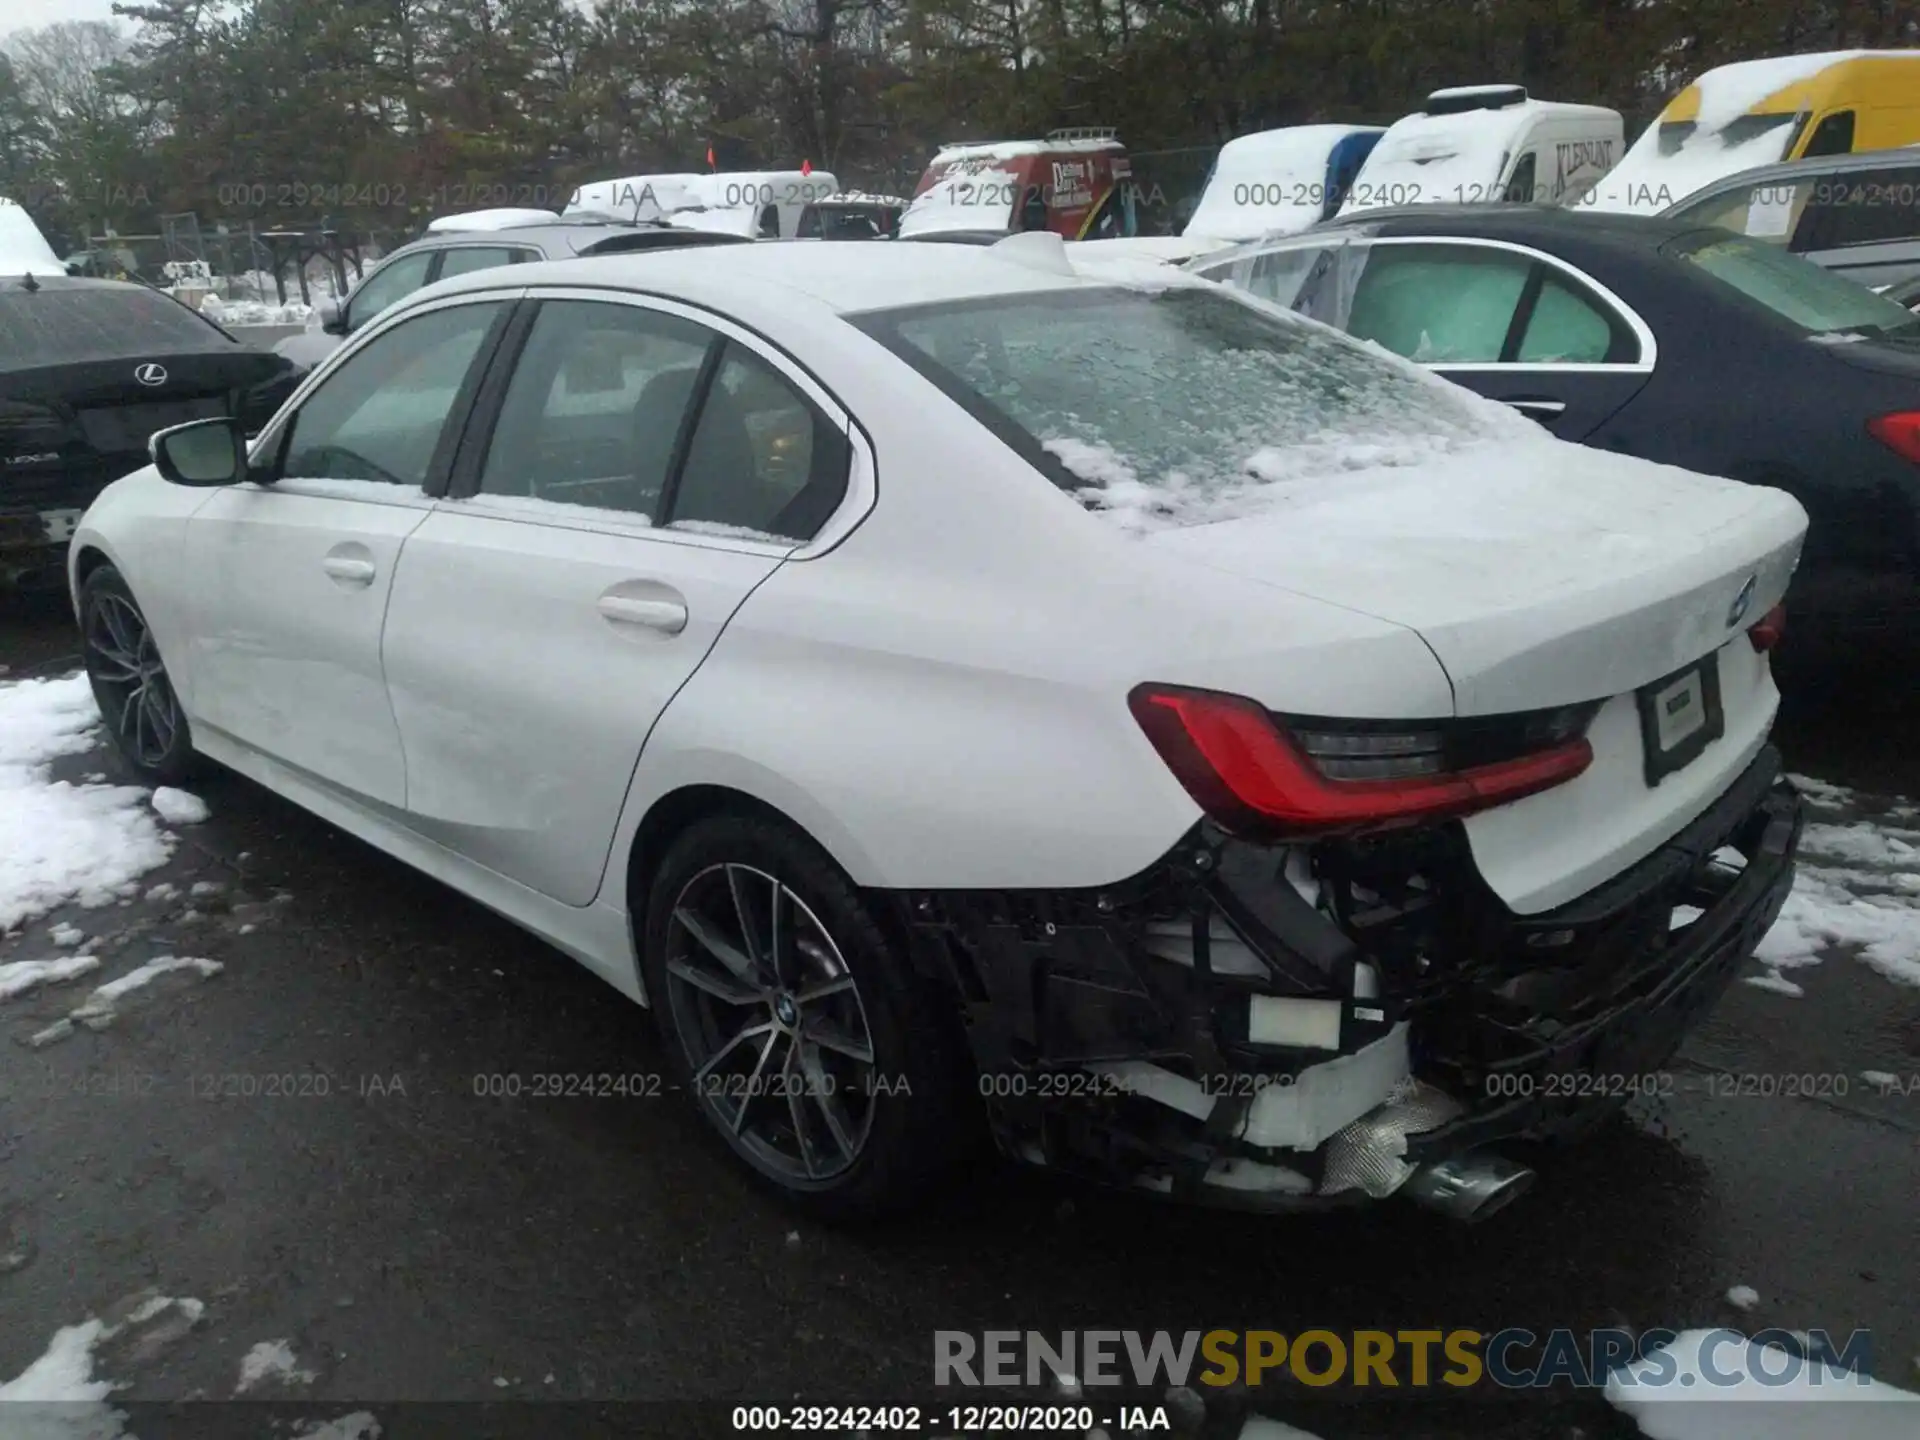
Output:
x,y
24,975
270,1360
101,1002
360,1425
1682,1391
1858,889
1743,1297
61,842
57,1396
66,935
178,807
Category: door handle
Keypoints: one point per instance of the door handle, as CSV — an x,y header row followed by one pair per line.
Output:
x,y
349,570
1539,407
669,617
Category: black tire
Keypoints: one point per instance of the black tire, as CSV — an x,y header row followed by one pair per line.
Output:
x,y
137,702
914,1121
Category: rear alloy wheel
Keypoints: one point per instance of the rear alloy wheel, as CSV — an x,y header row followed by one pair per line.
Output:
x,y
129,680
804,1041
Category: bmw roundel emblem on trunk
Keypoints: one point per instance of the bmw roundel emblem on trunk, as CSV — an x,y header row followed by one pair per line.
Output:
x,y
1738,610
150,374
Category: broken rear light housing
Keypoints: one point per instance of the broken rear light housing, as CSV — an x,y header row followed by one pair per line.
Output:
x,y
1255,772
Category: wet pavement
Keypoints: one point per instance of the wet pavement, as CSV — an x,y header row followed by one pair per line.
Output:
x,y
313,1143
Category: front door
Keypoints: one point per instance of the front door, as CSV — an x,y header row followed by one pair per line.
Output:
x,y
291,578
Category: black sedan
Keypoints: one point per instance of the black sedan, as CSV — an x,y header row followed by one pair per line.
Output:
x,y
89,369
1688,345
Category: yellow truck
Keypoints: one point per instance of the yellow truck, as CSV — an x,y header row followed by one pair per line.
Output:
x,y
1760,112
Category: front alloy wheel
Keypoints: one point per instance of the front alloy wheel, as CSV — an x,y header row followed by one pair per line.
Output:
x,y
129,680
771,1020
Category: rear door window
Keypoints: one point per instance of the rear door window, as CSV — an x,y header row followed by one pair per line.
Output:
x,y
463,259
1866,207
1439,304
595,408
1789,287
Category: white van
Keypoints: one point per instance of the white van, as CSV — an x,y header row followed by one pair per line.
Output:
x,y
763,204
1476,143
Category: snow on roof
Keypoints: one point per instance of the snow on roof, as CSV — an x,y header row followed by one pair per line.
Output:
x,y
492,219
978,199
1014,149
648,196
759,187
1290,167
1439,159
1730,91
861,197
23,249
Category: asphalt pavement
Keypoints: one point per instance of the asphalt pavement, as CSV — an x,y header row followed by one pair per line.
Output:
x,y
321,1143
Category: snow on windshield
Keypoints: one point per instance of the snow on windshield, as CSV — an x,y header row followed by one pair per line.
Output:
x,y
1189,406
1274,182
1439,159
971,195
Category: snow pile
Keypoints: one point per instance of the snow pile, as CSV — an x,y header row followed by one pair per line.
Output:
x,y
1857,886
1705,1385
255,312
102,1001
61,842
178,807
270,1360
23,249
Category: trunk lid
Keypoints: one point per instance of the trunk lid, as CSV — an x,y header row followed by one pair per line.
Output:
x,y
1539,573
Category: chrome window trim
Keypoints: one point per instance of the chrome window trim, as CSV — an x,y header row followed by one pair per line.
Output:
x,y
862,488
1642,332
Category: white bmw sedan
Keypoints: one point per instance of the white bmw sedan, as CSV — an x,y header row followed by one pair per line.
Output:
x,y
963,696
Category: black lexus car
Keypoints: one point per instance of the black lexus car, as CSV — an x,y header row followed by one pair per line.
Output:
x,y
89,369
1672,341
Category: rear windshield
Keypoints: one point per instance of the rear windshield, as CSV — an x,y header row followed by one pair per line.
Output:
x,y
57,326
1183,405
1796,290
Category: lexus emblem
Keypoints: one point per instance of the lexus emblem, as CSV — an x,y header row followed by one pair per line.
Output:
x,y
1738,610
150,374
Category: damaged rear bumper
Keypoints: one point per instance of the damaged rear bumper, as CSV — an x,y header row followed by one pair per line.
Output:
x,y
1286,1027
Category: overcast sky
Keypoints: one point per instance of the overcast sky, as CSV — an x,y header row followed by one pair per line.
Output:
x,y
32,14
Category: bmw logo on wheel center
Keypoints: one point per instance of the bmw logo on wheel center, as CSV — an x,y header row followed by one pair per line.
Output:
x,y
150,374
1738,610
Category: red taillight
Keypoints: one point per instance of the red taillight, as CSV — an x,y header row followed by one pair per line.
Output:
x,y
1767,633
1246,772
1899,432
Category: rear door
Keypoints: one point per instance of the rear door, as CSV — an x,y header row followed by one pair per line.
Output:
x,y
645,467
1512,323
292,577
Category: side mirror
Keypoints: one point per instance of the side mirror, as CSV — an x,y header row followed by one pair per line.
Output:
x,y
201,453
333,317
